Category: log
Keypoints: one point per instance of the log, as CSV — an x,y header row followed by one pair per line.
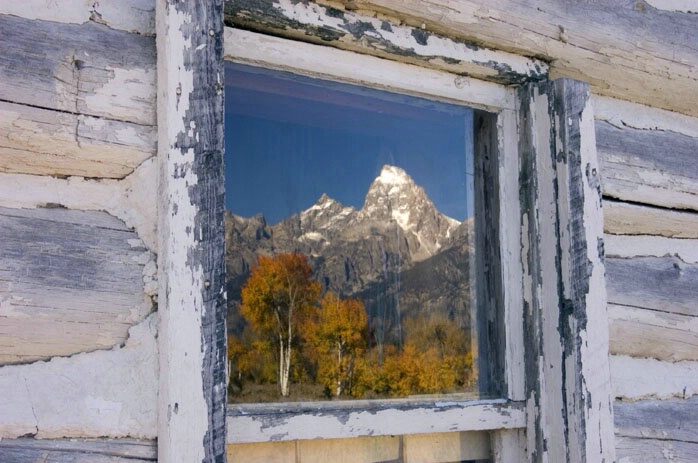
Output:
x,y
70,281
664,284
648,333
85,69
675,419
648,166
626,50
77,451
380,37
126,15
635,450
46,142
632,219
651,246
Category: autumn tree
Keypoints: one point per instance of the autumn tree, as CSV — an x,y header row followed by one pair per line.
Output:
x,y
276,299
339,335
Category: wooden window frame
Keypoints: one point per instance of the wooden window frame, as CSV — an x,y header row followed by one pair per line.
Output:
x,y
541,145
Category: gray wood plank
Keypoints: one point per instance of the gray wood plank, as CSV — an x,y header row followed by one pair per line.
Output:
x,y
665,284
637,450
658,419
621,218
70,281
81,69
652,166
77,451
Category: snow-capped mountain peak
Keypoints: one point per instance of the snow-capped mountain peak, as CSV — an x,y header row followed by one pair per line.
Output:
x,y
392,175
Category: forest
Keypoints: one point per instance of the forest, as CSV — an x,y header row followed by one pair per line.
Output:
x,y
302,343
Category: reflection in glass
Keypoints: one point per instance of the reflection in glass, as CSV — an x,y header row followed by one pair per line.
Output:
x,y
349,238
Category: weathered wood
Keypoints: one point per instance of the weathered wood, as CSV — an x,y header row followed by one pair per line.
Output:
x,y
261,423
633,219
376,36
658,283
627,246
191,205
127,15
77,451
85,69
658,419
638,378
345,66
635,450
44,142
626,50
648,166
648,333
91,394
70,281
567,374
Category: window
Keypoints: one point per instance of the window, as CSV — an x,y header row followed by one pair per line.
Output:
x,y
371,137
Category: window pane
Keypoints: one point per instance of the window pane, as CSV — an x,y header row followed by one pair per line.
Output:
x,y
350,241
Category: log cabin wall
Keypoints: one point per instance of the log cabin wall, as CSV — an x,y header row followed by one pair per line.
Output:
x,y
78,186
78,215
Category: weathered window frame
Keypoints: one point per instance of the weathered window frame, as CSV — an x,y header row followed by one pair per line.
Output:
x,y
557,400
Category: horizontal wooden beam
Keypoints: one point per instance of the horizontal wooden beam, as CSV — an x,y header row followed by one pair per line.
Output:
x,y
675,419
622,218
655,167
85,69
70,282
648,333
628,50
77,450
379,36
640,378
47,142
664,284
248,423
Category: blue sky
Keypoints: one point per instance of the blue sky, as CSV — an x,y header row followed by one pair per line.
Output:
x,y
290,139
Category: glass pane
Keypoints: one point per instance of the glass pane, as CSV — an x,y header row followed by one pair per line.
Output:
x,y
350,241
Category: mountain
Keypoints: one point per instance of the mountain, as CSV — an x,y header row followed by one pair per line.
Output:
x,y
398,253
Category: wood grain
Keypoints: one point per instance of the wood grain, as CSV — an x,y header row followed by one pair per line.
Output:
x,y
622,218
85,69
664,284
675,419
46,142
626,50
651,334
655,167
70,281
77,451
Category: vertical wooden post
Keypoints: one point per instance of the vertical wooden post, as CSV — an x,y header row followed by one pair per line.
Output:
x,y
192,306
567,374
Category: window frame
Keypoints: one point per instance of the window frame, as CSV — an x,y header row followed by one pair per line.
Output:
x,y
495,114
554,259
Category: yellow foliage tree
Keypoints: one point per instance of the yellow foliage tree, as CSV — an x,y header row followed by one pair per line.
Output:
x,y
277,298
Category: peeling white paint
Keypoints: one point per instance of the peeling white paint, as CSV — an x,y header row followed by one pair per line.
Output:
x,y
640,378
624,113
628,246
683,6
128,15
133,199
105,393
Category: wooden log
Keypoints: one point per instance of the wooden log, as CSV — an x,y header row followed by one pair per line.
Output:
x,y
77,451
85,69
648,166
627,246
628,51
663,284
70,281
675,419
648,333
633,219
126,15
376,36
45,142
639,378
636,450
